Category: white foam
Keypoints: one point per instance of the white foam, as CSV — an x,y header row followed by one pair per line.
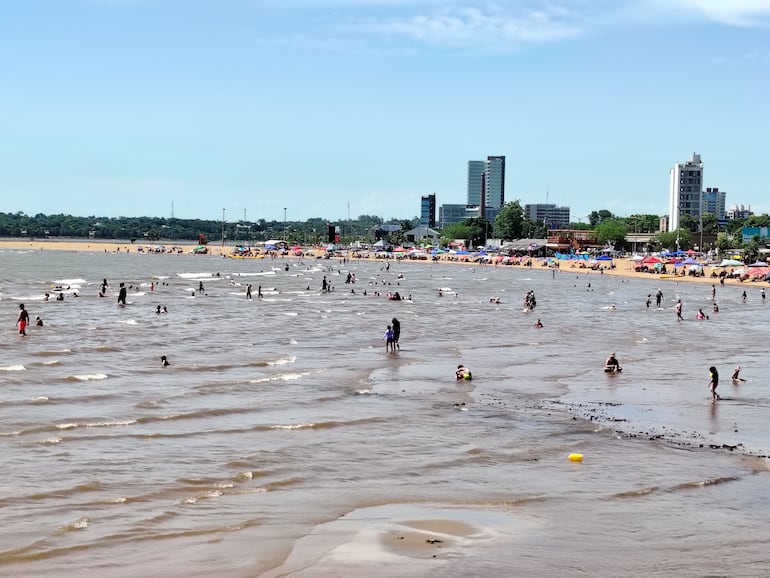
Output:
x,y
283,360
66,426
17,367
70,281
90,377
111,423
196,275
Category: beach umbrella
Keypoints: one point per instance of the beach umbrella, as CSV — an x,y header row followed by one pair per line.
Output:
x,y
729,263
751,271
690,261
759,264
637,258
604,258
651,260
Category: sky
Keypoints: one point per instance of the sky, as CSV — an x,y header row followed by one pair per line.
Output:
x,y
273,109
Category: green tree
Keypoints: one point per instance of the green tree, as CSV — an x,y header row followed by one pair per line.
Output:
x,y
690,223
456,231
509,223
612,233
710,224
668,240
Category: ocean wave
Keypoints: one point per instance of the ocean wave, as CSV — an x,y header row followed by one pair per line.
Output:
x,y
283,360
79,524
17,367
70,281
120,422
282,377
52,362
52,352
87,377
196,276
128,321
46,441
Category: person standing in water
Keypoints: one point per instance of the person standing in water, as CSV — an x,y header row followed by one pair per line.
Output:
x,y
164,361
388,337
713,383
248,292
737,379
23,320
678,310
122,294
396,332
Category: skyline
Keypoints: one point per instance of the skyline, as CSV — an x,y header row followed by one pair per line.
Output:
x,y
341,108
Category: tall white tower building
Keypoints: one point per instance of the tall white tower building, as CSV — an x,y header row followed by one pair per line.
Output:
x,y
685,188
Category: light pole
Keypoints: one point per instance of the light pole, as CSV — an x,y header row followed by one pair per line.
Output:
x,y
284,224
223,230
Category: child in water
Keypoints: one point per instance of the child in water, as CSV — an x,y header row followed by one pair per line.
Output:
x,y
714,375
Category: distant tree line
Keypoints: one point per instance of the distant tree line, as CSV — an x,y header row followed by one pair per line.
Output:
x,y
509,224
141,229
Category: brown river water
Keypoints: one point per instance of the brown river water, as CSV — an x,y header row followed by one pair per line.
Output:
x,y
284,441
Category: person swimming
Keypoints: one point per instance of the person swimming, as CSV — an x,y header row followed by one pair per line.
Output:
x,y
539,324
164,361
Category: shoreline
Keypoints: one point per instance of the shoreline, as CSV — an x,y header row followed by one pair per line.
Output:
x,y
623,267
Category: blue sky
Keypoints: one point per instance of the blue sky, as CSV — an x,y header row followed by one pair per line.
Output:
x,y
333,108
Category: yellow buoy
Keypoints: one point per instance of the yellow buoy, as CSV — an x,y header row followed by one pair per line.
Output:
x,y
576,457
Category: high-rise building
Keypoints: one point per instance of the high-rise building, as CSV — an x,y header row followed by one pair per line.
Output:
x,y
428,210
495,182
449,214
486,183
713,201
685,187
552,216
475,184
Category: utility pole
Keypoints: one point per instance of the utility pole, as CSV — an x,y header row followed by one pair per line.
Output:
x,y
223,231
284,224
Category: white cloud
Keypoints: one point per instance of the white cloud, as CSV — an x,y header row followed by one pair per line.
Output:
x,y
732,12
482,26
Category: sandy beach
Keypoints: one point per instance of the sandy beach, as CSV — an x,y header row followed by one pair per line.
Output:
x,y
623,267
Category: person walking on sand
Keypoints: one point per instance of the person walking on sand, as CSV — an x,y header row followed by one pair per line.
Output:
x,y
714,375
678,310
396,332
23,320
